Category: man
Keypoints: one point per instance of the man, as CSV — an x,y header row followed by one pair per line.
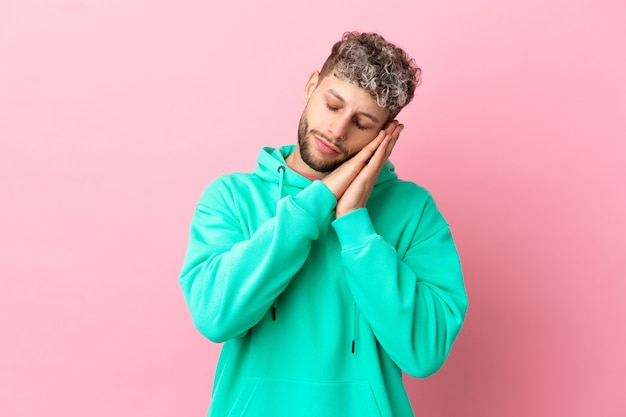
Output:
x,y
324,274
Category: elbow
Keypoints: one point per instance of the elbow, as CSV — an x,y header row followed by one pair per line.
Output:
x,y
211,331
215,328
425,367
207,315
218,325
431,357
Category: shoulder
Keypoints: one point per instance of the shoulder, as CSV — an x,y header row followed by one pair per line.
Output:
x,y
226,186
404,192
406,203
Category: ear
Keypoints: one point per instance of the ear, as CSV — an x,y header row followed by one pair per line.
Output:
x,y
310,85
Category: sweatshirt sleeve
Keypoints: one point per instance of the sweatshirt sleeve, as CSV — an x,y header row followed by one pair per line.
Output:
x,y
230,281
414,302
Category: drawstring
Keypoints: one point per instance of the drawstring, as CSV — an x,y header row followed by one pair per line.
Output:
x,y
281,176
354,324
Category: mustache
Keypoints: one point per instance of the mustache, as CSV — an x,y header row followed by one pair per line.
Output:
x,y
328,139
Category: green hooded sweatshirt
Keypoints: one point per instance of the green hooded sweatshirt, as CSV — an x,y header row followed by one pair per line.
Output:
x,y
319,316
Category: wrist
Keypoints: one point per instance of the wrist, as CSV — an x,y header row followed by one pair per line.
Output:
x,y
342,210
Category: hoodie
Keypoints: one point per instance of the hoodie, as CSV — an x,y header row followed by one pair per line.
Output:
x,y
320,316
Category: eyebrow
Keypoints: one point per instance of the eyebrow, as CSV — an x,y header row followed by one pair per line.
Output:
x,y
362,113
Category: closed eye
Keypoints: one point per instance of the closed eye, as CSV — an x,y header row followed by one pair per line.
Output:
x,y
359,126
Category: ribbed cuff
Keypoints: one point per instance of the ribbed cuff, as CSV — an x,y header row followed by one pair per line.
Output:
x,y
317,200
354,229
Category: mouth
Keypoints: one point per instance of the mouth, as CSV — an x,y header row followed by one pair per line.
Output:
x,y
325,146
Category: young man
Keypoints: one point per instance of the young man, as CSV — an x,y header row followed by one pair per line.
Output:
x,y
324,274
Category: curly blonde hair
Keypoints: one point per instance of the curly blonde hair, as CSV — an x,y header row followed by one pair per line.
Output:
x,y
372,63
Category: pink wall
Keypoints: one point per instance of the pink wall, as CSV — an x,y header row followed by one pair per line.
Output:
x,y
115,114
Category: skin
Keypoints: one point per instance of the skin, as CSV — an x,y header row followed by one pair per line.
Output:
x,y
345,137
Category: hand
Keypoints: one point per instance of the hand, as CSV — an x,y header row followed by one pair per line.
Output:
x,y
353,181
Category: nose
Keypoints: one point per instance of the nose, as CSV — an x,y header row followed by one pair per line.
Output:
x,y
338,127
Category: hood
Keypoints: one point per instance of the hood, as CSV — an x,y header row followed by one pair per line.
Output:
x,y
271,159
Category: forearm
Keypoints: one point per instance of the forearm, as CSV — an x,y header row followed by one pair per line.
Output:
x,y
230,281
416,303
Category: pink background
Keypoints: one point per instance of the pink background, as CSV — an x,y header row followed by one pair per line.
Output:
x,y
114,115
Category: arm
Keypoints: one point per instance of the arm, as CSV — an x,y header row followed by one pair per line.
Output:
x,y
415,303
229,282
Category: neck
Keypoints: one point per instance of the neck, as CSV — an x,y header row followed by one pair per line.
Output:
x,y
295,162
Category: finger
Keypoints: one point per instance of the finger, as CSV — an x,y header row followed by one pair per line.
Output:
x,y
380,156
396,131
368,150
391,127
394,138
373,145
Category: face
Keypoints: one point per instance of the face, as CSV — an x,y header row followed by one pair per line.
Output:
x,y
339,119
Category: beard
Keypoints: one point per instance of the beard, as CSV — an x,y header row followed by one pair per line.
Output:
x,y
306,153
